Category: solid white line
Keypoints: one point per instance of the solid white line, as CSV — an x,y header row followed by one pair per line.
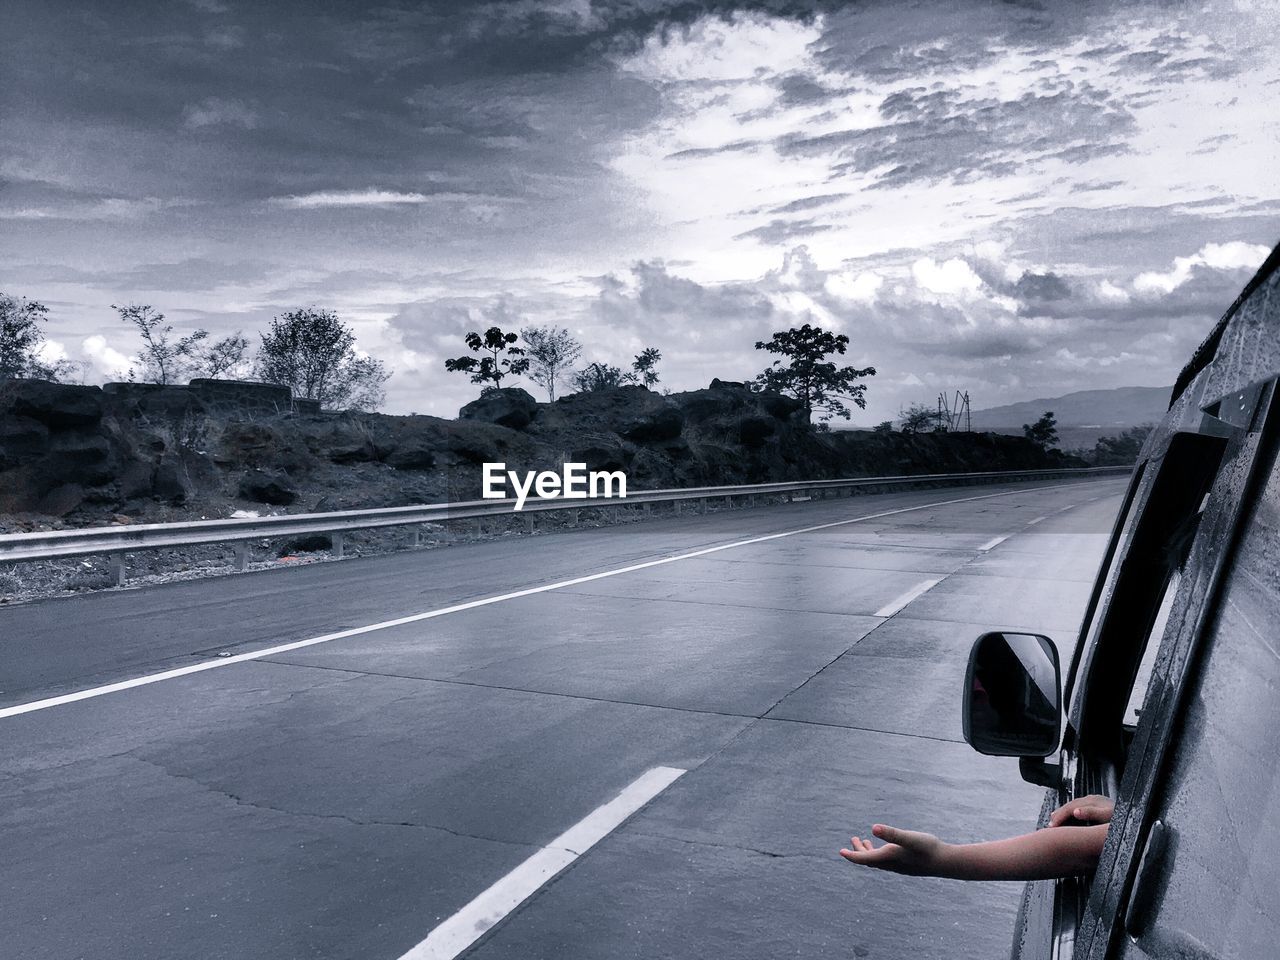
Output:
x,y
889,609
992,544
91,692
480,915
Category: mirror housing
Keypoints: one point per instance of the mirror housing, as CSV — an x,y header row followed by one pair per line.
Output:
x,y
1012,699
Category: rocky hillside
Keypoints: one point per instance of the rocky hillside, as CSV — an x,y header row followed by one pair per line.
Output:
x,y
89,454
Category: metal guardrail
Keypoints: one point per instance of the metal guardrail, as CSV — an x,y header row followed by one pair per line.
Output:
x,y
119,540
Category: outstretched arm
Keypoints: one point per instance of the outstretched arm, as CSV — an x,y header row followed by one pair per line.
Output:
x,y
1043,855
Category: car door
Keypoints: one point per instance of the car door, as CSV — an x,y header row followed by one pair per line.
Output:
x,y
1190,866
1136,595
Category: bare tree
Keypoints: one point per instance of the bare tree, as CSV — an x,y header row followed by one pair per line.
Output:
x,y
313,353
21,341
551,351
227,358
918,418
162,359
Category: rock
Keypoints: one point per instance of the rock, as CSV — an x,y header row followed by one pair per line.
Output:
x,y
22,439
601,452
412,456
61,500
779,405
79,458
307,543
170,481
273,487
360,451
57,405
718,384
135,480
754,430
661,425
508,407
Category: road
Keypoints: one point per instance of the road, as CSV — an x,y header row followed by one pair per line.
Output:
x,y
345,798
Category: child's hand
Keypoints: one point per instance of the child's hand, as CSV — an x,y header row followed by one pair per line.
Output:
x,y
1090,809
904,851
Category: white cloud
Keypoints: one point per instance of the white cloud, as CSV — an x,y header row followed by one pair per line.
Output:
x,y
108,361
858,287
719,49
1235,255
215,112
349,198
51,352
952,277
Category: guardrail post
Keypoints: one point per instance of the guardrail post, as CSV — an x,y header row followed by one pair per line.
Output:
x,y
647,508
678,505
702,504
117,568
242,556
338,545
574,516
528,523
415,539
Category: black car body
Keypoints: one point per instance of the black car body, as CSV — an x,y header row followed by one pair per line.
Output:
x,y
1171,699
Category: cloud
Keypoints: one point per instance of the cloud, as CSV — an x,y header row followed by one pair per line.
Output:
x,y
109,362
370,197
1235,255
217,112
952,277
856,286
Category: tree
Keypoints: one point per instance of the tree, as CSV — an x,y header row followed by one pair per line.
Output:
x,y
227,358
313,353
645,367
803,371
1121,449
884,426
601,376
1044,432
162,359
918,418
503,359
21,341
552,351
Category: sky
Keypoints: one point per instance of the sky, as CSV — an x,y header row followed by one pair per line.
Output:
x,y
1016,199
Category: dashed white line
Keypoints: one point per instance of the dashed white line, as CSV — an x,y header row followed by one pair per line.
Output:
x,y
893,606
1032,523
150,678
993,543
480,915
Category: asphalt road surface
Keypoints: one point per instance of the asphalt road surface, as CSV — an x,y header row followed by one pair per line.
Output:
x,y
346,798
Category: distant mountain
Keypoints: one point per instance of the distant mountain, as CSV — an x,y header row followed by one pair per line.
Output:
x,y
1110,409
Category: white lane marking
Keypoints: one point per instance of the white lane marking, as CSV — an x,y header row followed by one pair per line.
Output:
x,y
480,915
116,687
993,543
1032,523
893,606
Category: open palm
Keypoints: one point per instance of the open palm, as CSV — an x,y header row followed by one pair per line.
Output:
x,y
904,851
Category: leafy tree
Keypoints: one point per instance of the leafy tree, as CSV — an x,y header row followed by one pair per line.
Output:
x,y
803,371
313,353
884,426
21,340
1044,431
503,359
918,418
552,351
600,376
162,359
645,367
227,358
1121,449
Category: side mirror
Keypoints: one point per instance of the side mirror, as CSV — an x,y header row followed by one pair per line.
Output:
x,y
1011,701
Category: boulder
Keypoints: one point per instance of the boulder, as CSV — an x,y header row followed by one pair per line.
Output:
x,y
508,407
754,430
664,424
170,482
412,456
268,486
780,405
79,458
61,500
22,439
57,405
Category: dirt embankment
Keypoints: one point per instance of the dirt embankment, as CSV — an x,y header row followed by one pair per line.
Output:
x,y
76,456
